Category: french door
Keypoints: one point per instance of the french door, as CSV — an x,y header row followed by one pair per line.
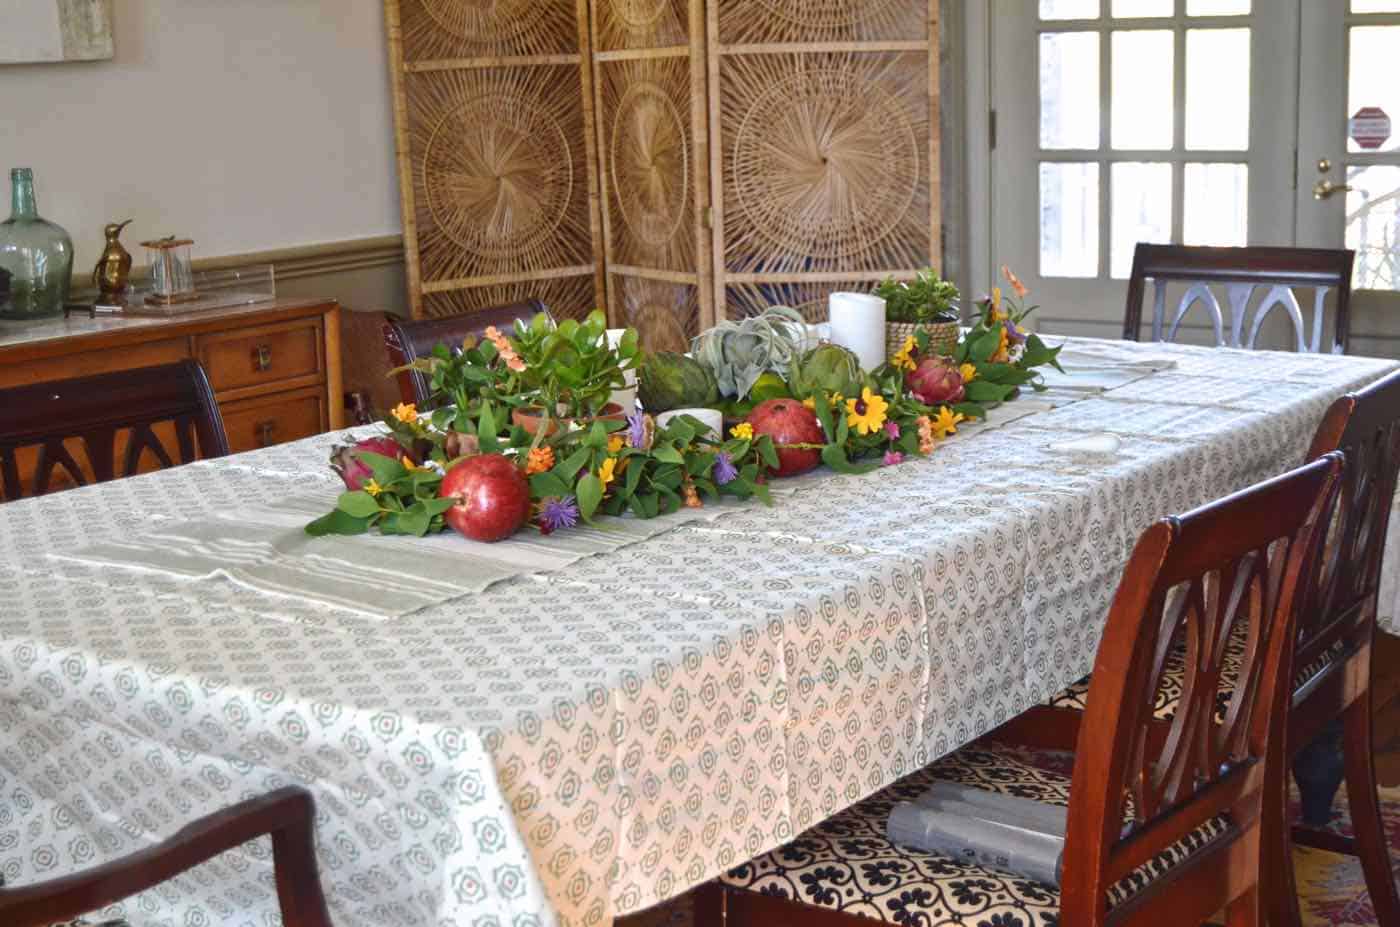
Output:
x,y
1195,121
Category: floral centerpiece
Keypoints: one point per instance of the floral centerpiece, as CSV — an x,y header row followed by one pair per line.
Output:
x,y
477,466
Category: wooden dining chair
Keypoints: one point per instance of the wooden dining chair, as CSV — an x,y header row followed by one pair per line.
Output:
x,y
1166,823
77,429
287,815
1240,273
409,341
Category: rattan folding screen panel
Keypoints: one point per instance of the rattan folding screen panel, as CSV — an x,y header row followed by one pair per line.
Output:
x,y
676,160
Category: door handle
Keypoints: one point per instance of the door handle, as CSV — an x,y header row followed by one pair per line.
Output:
x,y
1326,189
265,432
262,357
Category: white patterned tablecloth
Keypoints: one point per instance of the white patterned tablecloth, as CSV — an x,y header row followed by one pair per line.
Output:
x,y
584,743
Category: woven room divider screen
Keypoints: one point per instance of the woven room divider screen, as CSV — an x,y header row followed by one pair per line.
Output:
x,y
675,160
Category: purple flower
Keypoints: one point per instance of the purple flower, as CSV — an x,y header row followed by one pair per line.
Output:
x,y
893,457
640,431
892,430
556,514
1014,334
725,471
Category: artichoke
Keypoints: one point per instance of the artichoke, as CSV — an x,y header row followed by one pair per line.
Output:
x,y
827,368
667,381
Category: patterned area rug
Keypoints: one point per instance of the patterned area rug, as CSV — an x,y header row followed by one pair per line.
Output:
x,y
1331,887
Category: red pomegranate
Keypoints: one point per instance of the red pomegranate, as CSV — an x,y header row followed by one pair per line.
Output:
x,y
493,497
345,459
789,423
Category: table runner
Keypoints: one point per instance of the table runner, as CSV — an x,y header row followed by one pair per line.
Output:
x,y
588,742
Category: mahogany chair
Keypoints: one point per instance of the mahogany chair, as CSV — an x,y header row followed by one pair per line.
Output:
x,y
287,815
408,341
1336,634
1240,272
1166,824
107,414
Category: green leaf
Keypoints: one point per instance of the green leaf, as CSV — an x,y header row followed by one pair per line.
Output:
x,y
634,476
970,410
590,493
834,456
667,453
486,429
436,507
823,402
684,428
767,452
338,522
986,344
573,464
358,504
986,391
549,483
415,521
385,470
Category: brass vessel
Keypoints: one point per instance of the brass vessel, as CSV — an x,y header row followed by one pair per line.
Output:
x,y
112,274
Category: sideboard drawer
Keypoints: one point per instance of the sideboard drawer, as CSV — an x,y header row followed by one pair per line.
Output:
x,y
276,419
235,360
20,371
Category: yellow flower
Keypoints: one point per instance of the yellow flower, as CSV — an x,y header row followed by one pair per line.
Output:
x,y
866,414
904,357
605,472
743,431
1015,282
810,402
373,488
616,443
539,460
947,422
968,372
405,412
409,465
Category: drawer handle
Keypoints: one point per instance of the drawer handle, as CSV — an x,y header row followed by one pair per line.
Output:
x,y
265,431
262,357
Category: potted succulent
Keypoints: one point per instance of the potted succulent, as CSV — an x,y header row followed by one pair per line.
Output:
x,y
928,302
568,371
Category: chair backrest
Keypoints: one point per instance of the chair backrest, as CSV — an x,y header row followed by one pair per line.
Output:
x,y
288,815
408,341
1340,620
1240,273
106,416
1192,581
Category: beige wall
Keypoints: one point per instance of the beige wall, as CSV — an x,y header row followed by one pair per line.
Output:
x,y
248,125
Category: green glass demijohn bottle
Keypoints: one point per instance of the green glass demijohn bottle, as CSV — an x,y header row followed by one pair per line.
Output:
x,y
35,255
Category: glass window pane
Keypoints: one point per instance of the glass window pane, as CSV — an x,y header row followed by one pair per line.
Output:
x,y
1374,51
1069,9
1142,89
1375,6
1217,89
1217,7
1373,226
1216,208
1069,220
1130,9
1142,211
1069,90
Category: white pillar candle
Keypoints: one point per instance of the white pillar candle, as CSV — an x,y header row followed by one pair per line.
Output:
x,y
858,323
713,419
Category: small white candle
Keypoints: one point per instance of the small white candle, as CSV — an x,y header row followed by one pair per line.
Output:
x,y
858,323
713,419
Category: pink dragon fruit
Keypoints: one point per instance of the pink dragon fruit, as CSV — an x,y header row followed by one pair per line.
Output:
x,y
935,382
355,472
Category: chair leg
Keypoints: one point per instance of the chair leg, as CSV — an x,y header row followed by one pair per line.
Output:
x,y
1319,769
1245,910
1366,821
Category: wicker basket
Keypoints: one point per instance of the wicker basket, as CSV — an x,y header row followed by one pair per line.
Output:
x,y
942,336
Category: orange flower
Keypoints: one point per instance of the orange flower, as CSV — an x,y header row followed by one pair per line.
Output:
x,y
1015,282
405,412
539,460
692,498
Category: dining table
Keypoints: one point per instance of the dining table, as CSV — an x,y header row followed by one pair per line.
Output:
x,y
569,739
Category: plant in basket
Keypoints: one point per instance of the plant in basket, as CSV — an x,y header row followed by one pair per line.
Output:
x,y
569,370
927,303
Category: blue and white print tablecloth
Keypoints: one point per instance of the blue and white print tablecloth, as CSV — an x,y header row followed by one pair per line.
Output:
x,y
574,745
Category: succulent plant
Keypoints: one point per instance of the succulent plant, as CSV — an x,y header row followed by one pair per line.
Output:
x,y
739,352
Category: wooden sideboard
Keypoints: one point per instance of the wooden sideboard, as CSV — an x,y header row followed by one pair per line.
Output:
x,y
275,367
